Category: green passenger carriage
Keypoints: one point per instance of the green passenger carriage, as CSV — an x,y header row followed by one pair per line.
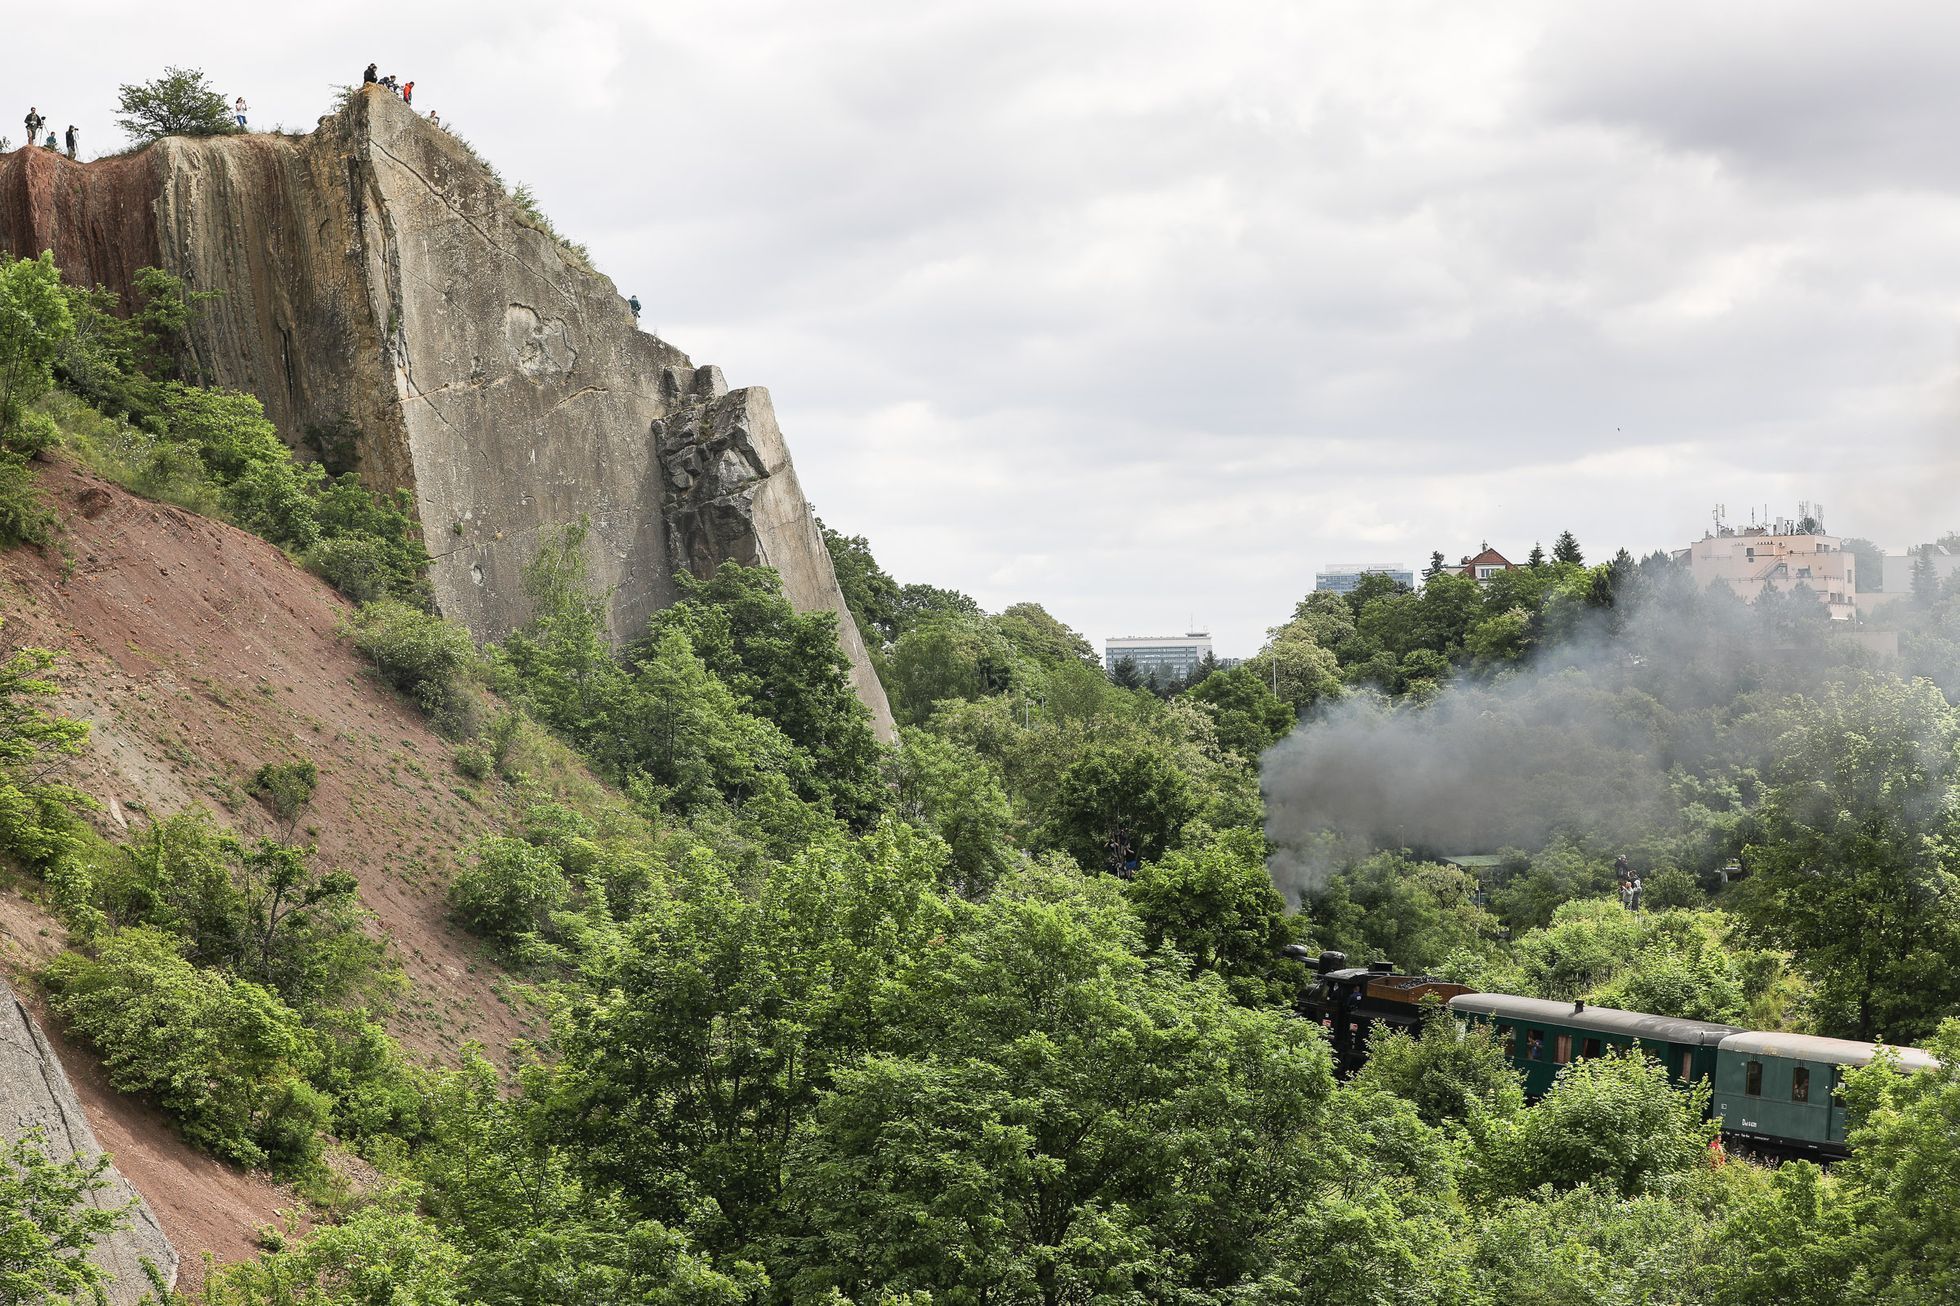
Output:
x,y
1778,1092
1541,1037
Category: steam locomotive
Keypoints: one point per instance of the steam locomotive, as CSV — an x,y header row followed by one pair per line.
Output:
x,y
1776,1095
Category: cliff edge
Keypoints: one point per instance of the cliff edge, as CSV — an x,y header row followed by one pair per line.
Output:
x,y
398,315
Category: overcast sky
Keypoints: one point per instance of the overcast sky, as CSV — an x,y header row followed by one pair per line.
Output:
x,y
1145,310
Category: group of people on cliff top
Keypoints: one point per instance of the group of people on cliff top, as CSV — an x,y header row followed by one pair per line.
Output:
x,y
34,124
404,89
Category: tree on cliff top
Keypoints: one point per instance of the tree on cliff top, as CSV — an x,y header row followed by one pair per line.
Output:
x,y
179,103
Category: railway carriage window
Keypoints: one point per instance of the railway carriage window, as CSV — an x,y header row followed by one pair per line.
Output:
x,y
1590,1048
1800,1084
1507,1038
1534,1044
1563,1052
1687,1066
1752,1079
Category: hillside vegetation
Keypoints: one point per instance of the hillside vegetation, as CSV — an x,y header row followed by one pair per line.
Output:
x,y
826,1021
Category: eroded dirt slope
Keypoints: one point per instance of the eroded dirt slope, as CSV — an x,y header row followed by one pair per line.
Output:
x,y
200,653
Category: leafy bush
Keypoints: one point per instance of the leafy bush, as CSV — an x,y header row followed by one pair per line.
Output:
x,y
37,824
473,761
420,654
264,912
1446,1073
286,786
1614,1122
224,1056
510,888
24,519
380,1254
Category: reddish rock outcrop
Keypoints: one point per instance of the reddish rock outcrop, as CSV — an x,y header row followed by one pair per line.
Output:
x,y
98,218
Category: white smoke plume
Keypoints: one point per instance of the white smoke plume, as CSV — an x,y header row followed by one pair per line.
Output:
x,y
1581,742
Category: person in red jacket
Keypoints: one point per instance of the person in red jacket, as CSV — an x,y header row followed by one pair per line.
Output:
x,y
408,92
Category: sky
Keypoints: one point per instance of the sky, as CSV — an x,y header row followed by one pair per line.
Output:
x,y
1144,311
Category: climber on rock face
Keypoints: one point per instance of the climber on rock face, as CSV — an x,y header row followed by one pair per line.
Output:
x,y
633,302
408,92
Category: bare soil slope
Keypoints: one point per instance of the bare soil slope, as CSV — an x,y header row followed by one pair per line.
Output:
x,y
200,653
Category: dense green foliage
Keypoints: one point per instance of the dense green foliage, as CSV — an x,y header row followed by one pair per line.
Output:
x,y
224,1055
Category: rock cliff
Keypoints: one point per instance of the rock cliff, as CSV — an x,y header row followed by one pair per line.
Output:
x,y
398,314
39,1097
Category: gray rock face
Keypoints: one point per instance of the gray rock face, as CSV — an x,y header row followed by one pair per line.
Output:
x,y
732,494
395,310
35,1094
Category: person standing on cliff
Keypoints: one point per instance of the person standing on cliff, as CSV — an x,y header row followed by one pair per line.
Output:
x,y
408,92
34,121
238,109
72,135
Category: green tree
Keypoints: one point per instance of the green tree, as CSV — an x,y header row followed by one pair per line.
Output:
x,y
35,322
1132,795
50,1220
37,825
179,103
1856,871
1057,1123
1249,717
1565,549
1536,561
1890,1225
528,1228
1499,640
786,667
723,1018
945,658
1215,904
870,594
1412,913
1297,668
1036,635
1323,617
947,788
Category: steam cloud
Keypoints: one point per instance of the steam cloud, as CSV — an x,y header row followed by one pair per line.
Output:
x,y
1579,743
